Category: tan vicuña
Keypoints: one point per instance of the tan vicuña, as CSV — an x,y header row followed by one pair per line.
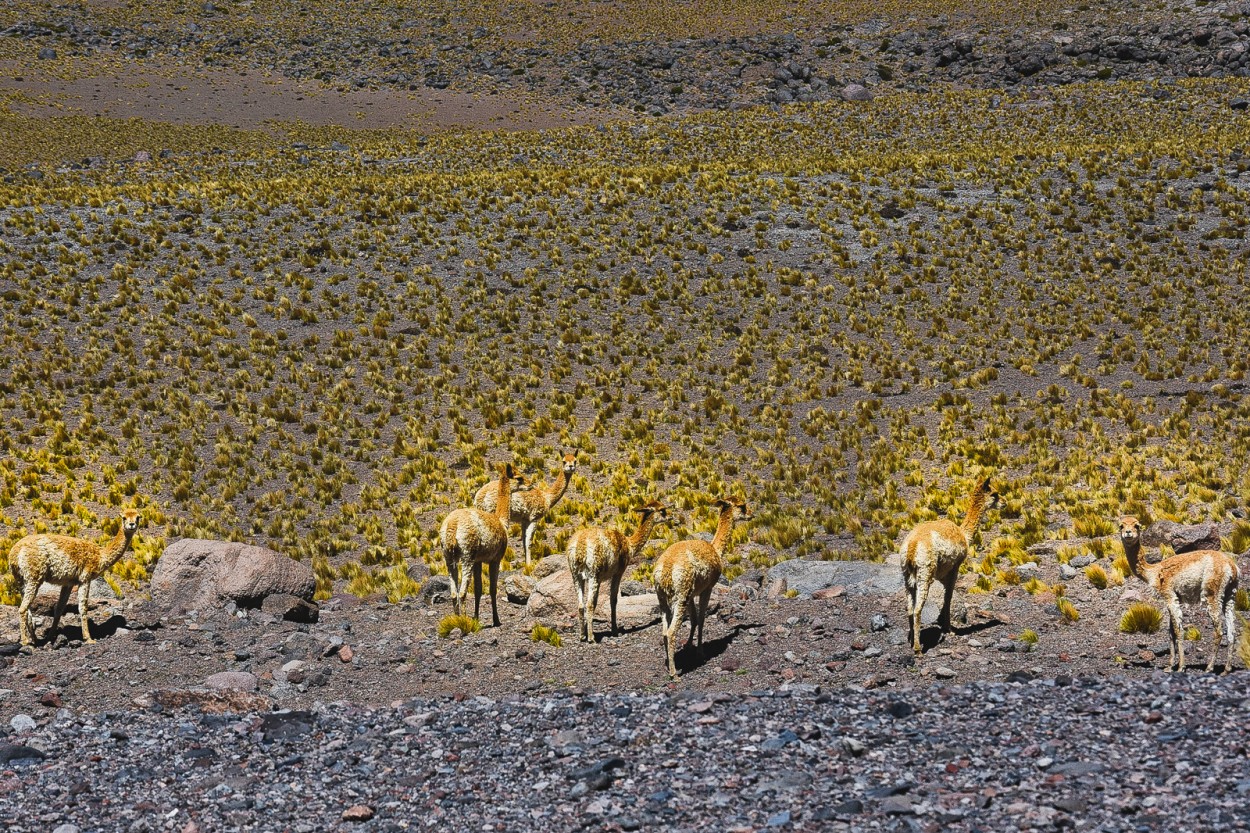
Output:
x,y
1190,577
936,550
66,561
686,573
595,554
530,505
471,538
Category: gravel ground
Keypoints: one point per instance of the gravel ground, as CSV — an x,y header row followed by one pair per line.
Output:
x,y
1162,752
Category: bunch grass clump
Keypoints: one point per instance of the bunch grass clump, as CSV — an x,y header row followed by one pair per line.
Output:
x,y
1241,601
542,633
1141,617
1097,576
453,622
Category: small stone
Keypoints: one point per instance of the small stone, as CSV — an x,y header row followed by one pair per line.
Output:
x,y
223,680
943,673
879,622
295,671
358,812
856,92
849,808
830,592
65,828
897,806
1081,561
49,54
23,723
50,699
346,654
17,752
900,708
779,819
1239,103
853,746
1067,572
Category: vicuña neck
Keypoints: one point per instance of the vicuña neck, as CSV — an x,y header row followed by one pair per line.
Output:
x,y
641,534
976,508
556,491
723,529
1137,564
503,506
116,548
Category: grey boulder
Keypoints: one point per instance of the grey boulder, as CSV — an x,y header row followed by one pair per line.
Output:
x,y
197,574
860,578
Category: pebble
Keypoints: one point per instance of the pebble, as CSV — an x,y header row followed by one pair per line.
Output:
x,y
23,723
359,812
222,680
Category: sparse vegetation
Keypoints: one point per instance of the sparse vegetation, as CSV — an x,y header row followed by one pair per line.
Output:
x,y
270,342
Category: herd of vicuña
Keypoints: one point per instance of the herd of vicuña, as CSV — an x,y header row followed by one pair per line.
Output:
x,y
684,575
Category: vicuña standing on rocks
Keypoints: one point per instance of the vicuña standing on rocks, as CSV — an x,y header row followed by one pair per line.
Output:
x,y
935,550
596,554
1191,577
66,561
685,575
528,507
471,538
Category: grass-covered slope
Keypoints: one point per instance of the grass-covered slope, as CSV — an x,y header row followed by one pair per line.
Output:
x,y
840,311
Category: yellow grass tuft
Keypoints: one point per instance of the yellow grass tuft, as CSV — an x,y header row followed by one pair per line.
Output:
x,y
1141,617
457,622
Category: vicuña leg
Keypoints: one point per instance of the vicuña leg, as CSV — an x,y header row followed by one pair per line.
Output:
x,y
24,614
615,590
494,593
1176,652
61,602
84,595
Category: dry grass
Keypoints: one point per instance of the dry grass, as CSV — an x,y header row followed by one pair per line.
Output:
x,y
1141,617
452,623
1097,576
321,356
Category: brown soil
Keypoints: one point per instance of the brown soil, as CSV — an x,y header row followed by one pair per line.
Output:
x,y
751,644
247,100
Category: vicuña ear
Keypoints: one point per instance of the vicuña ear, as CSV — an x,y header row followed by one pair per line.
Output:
x,y
985,485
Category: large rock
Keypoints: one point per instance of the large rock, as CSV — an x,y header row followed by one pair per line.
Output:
x,y
518,587
195,574
1182,537
551,564
555,599
859,578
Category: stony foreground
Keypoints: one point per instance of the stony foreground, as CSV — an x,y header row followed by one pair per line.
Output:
x,y
1161,753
